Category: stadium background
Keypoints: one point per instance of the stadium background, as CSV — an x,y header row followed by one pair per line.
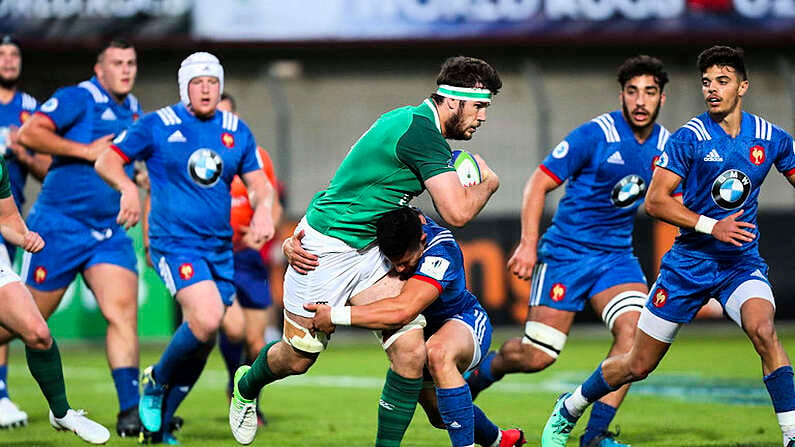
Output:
x,y
311,76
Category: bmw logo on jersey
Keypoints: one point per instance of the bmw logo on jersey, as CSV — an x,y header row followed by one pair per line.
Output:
x,y
205,167
628,190
730,189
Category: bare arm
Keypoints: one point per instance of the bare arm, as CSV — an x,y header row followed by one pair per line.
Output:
x,y
456,204
661,204
261,196
524,256
37,164
388,313
14,230
38,133
110,167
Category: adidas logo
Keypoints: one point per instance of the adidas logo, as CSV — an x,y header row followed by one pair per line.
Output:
x,y
177,137
108,115
2,384
386,405
713,156
615,158
454,424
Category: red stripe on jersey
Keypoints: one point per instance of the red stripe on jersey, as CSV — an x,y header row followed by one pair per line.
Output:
x,y
430,281
790,172
47,117
550,173
679,194
121,154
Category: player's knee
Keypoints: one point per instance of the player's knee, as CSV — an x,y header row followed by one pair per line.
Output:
x,y
639,369
410,356
439,357
540,347
38,336
234,333
762,333
205,326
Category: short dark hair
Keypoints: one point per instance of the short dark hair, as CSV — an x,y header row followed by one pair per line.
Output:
x,y
642,65
723,56
231,99
113,43
463,71
398,231
9,39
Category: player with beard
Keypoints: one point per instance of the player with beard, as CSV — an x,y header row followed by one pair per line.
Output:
x,y
404,152
586,253
15,108
720,158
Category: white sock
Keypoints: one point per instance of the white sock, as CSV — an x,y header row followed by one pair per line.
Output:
x,y
576,403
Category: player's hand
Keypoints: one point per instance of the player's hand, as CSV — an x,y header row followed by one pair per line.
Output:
x,y
32,242
248,239
299,259
129,207
13,143
523,261
731,230
485,171
97,147
261,228
322,319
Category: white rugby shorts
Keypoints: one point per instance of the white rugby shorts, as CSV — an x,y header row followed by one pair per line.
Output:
x,y
343,272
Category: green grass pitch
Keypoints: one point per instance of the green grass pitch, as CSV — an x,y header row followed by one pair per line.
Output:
x,y
707,392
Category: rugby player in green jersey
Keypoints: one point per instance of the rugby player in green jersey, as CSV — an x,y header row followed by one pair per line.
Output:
x,y
403,153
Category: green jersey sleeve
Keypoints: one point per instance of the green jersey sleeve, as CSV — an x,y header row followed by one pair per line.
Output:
x,y
424,150
5,180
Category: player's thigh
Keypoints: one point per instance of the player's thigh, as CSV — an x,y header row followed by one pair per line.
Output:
x,y
452,342
406,351
389,285
745,292
116,290
340,276
202,307
620,306
19,312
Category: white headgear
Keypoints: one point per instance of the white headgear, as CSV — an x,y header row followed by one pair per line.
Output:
x,y
195,65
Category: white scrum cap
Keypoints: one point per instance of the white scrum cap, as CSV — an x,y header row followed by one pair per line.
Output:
x,y
198,64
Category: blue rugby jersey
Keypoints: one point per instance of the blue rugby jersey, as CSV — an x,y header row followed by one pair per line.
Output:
x,y
83,113
722,175
191,163
15,113
608,173
442,265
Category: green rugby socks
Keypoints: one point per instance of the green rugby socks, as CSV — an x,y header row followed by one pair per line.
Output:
x,y
396,408
45,367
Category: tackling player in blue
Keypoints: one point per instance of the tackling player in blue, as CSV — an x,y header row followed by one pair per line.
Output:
x,y
192,153
586,253
15,108
720,158
75,212
458,331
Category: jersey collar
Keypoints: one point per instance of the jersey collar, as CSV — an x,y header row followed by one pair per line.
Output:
x,y
430,104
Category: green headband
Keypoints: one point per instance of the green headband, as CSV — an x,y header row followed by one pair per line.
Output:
x,y
464,93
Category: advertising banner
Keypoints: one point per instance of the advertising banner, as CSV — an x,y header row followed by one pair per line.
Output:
x,y
553,21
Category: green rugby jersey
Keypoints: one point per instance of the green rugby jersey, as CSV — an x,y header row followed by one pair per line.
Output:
x,y
384,170
5,180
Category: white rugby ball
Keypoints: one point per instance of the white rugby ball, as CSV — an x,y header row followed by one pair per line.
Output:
x,y
467,168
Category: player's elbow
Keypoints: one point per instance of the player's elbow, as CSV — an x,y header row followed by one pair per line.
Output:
x,y
654,205
456,217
